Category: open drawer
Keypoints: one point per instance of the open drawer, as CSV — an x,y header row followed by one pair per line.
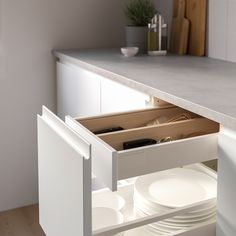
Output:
x,y
64,162
136,226
193,141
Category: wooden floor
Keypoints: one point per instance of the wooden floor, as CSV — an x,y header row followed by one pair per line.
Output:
x,y
21,222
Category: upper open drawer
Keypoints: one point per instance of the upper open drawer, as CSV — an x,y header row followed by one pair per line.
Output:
x,y
192,140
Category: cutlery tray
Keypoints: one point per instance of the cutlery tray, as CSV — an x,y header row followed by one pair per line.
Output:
x,y
194,141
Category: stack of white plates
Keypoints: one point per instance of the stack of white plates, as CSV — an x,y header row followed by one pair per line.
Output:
x,y
171,189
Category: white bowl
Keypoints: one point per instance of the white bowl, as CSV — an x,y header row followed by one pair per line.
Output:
x,y
129,51
108,199
103,217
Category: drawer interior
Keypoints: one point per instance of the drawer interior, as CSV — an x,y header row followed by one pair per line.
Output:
x,y
130,120
126,191
175,143
135,126
177,130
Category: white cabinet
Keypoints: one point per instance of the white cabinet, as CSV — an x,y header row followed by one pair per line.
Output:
x,y
78,91
116,97
66,151
83,93
70,151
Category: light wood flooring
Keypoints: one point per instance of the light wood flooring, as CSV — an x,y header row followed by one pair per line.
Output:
x,y
21,222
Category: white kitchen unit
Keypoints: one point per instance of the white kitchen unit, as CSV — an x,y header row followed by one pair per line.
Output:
x,y
116,97
84,93
73,98
69,152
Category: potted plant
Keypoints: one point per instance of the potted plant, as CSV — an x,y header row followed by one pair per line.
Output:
x,y
138,13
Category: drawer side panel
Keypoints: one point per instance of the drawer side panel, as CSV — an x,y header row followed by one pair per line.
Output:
x,y
104,161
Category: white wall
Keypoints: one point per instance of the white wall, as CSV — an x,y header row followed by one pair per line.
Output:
x,y
29,30
222,29
221,35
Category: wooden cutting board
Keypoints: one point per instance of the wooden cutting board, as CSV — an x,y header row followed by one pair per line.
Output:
x,y
196,13
179,30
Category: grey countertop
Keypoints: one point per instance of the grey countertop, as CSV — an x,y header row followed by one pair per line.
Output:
x,y
201,85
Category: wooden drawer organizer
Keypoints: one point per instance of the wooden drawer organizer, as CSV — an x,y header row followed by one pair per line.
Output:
x,y
110,163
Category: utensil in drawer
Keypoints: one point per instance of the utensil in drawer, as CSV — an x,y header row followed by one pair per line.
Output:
x,y
166,140
139,143
163,119
157,121
109,130
184,116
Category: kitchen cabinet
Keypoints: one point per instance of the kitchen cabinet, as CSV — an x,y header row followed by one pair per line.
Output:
x,y
69,152
202,86
83,93
117,97
73,98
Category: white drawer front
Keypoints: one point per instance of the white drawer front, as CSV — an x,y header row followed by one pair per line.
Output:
x,y
166,156
64,178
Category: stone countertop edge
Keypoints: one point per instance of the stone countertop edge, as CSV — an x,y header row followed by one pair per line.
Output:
x,y
73,57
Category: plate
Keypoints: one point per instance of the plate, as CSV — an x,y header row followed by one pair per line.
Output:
x,y
177,187
155,208
163,225
185,217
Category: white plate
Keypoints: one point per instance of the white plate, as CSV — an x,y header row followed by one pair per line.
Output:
x,y
154,208
177,187
164,226
177,222
105,217
187,223
190,220
148,231
108,199
155,231
155,227
186,216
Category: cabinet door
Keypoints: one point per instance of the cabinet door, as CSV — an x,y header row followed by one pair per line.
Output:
x,y
78,91
116,97
64,178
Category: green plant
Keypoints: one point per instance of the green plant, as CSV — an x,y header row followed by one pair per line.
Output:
x,y
139,12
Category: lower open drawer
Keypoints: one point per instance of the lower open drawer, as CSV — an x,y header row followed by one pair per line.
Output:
x,y
135,226
192,141
64,161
